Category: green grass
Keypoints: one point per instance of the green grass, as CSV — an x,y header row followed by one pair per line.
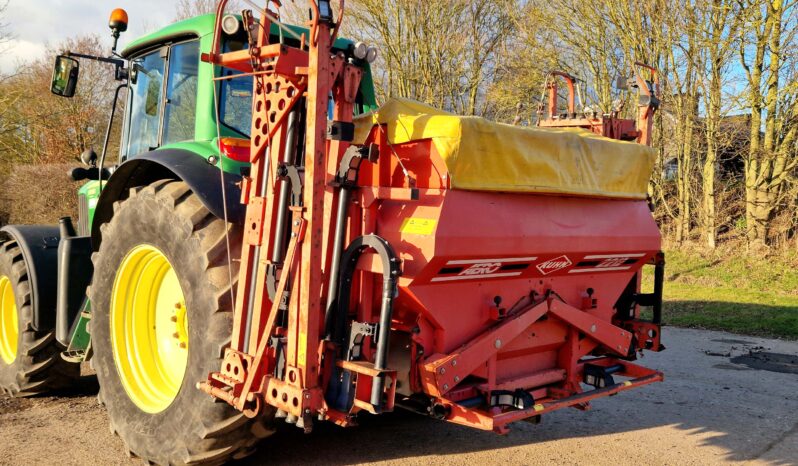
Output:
x,y
730,291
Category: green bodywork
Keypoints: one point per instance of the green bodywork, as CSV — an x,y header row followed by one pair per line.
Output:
x,y
204,143
206,133
91,191
80,341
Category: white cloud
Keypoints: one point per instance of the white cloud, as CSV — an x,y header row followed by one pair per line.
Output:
x,y
34,23
17,50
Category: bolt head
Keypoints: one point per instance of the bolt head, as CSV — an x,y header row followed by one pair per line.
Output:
x,y
445,386
593,328
456,378
454,362
442,371
497,343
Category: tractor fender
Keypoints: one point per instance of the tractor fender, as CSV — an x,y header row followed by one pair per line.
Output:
x,y
203,178
39,245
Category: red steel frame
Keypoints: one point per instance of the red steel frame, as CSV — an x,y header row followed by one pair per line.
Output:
x,y
611,125
459,343
282,76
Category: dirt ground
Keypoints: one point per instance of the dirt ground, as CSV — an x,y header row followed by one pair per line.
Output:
x,y
726,398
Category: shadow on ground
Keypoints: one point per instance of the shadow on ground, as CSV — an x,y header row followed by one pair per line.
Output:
x,y
712,396
744,318
404,435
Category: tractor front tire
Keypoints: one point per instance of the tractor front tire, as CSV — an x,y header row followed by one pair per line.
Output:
x,y
162,272
30,360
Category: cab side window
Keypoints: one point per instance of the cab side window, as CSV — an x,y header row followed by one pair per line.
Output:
x,y
162,92
181,93
146,86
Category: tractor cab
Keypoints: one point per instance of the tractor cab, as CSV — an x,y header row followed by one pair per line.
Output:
x,y
172,96
183,119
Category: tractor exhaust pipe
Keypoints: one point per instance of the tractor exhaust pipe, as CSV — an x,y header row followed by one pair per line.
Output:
x,y
74,275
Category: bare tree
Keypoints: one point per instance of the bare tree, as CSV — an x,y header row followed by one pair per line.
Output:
x,y
438,51
38,127
186,9
717,30
5,35
767,55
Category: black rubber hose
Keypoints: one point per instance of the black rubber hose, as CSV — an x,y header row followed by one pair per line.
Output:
x,y
338,247
383,337
391,273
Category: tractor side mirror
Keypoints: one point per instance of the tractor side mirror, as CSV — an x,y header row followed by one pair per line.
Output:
x,y
65,76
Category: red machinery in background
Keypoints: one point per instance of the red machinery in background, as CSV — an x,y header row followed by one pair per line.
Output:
x,y
608,125
369,279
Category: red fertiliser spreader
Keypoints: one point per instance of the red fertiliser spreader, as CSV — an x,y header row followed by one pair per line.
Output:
x,y
477,272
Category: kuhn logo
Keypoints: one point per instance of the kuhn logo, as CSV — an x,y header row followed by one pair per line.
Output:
x,y
482,269
553,265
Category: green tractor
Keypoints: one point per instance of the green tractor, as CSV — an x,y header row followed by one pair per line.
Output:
x,y
140,284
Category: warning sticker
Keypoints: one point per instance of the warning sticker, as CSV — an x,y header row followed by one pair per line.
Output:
x,y
418,226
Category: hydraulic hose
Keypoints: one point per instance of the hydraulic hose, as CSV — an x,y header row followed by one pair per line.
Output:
x,y
391,272
289,156
338,247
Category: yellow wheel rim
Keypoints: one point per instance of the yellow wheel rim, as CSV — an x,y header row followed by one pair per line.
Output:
x,y
149,328
9,321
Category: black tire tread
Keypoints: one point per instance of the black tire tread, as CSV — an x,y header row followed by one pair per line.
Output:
x,y
38,367
228,436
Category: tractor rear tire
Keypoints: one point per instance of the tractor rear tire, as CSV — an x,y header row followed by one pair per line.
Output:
x,y
30,360
190,427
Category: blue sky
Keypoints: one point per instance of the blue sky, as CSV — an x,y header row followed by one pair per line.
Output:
x,y
35,23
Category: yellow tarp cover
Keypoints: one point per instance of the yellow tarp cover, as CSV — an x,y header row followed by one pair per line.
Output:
x,y
487,156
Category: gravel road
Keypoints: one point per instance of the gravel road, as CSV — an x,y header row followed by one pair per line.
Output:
x,y
726,398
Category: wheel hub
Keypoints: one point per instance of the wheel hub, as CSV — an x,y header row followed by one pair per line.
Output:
x,y
9,321
149,328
